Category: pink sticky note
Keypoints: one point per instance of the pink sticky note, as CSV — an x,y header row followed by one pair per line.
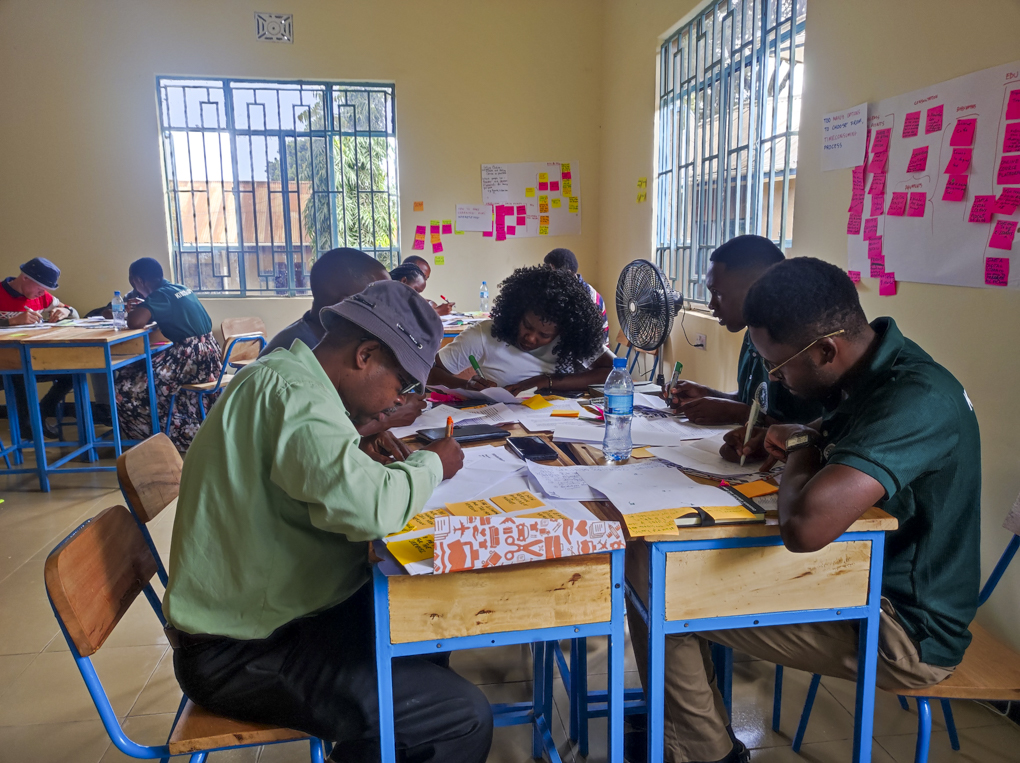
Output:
x,y
522,220
1013,106
875,249
856,203
867,142
963,133
1011,141
916,205
1002,235
933,120
437,247
501,234
1007,202
853,225
419,230
882,137
522,209
447,229
878,204
433,229
878,162
870,228
877,183
1009,170
918,159
959,161
898,204
487,234
543,186
981,209
855,275
997,271
554,185
565,175
887,283
858,178
419,243
956,188
511,230
877,269
910,123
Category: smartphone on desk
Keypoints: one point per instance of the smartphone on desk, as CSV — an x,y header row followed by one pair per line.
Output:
x,y
462,434
532,449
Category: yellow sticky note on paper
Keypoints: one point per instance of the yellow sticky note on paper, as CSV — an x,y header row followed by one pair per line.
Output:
x,y
440,259
556,203
547,514
412,549
529,192
756,488
567,187
662,522
420,521
543,177
419,206
566,415
641,453
642,182
575,203
544,219
726,514
477,508
543,230
455,231
543,199
565,167
536,402
514,501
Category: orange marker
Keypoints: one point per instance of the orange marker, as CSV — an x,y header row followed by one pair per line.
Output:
x,y
449,426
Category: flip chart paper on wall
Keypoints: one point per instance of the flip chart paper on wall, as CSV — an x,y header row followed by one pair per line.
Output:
x,y
843,137
948,238
474,217
516,184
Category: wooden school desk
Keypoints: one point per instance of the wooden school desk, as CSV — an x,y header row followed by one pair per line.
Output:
x,y
535,603
77,351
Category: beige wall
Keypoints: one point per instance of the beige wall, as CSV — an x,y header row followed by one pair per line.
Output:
x,y
850,58
475,82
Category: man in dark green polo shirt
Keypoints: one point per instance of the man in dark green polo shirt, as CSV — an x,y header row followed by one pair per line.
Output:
x,y
898,432
734,267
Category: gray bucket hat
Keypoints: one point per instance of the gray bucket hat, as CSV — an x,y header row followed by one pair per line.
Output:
x,y
400,318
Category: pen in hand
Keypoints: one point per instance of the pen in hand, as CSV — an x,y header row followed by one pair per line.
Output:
x,y
449,426
474,365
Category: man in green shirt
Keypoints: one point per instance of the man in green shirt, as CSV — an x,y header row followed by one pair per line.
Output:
x,y
733,268
269,603
898,432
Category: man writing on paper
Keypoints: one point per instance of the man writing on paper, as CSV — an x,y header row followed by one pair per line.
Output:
x,y
269,602
734,266
898,432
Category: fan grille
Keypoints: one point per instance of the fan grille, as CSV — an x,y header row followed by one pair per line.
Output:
x,y
645,305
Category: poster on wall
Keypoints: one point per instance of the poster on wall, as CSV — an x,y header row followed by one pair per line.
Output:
x,y
937,199
532,199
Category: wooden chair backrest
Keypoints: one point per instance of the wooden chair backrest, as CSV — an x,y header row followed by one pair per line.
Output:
x,y
234,327
150,475
96,573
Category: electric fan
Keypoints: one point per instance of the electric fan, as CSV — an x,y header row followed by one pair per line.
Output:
x,y
646,305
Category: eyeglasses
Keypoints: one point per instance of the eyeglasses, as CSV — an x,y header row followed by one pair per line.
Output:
x,y
413,387
772,369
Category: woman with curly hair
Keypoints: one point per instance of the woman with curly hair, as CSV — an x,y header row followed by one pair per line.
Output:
x,y
545,332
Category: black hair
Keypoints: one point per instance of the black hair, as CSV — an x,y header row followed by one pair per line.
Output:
x,y
413,259
555,296
804,298
147,269
748,252
339,269
562,259
407,270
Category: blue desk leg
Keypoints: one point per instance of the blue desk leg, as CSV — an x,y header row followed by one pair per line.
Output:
x,y
11,399
867,660
152,387
112,388
84,416
579,684
35,418
617,648
656,651
538,655
384,667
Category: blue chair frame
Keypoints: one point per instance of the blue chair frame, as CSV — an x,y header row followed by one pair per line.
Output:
x,y
637,355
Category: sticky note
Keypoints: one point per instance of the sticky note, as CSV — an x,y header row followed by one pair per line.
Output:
x,y
981,209
477,508
565,175
556,203
434,226
878,259
440,260
522,220
855,275
543,186
877,183
522,209
412,549
878,162
963,133
853,224
529,192
875,248
870,228
419,243
878,204
543,230
867,142
757,488
564,169
543,220
419,206
887,285
642,182
997,271
898,204
1013,105
1009,170
857,202
511,230
1011,140
543,177
457,232
419,230
437,247
447,227
521,500
435,238
881,144
956,188
918,159
662,522
959,161
877,269
933,119
501,234
1007,202
1002,235
543,207
568,188
910,123
554,185
421,521
642,196
575,203
536,402
858,177
487,234
543,199
917,203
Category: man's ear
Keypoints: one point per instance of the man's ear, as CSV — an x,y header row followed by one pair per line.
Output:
x,y
830,349
364,352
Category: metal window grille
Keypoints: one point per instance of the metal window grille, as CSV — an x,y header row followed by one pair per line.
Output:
x,y
729,109
262,177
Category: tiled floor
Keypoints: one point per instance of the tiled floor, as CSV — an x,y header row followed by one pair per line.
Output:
x,y
46,714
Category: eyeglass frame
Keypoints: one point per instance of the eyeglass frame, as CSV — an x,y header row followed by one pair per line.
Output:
x,y
772,371
413,388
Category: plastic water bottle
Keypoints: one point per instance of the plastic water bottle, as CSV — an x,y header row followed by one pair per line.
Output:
x,y
483,298
617,445
119,315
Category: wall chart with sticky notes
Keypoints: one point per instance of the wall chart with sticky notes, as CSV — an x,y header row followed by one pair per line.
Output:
x,y
548,192
948,156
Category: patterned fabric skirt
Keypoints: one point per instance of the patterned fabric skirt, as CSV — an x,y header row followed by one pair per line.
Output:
x,y
192,361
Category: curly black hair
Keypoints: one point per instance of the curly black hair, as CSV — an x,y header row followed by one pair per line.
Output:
x,y
555,296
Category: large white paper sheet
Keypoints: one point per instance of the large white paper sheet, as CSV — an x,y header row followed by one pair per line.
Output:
x,y
703,456
507,184
494,394
474,217
843,136
655,486
432,418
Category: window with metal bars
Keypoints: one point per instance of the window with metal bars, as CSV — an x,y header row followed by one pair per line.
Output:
x,y
262,177
729,109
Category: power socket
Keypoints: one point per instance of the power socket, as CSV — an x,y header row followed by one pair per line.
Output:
x,y
700,341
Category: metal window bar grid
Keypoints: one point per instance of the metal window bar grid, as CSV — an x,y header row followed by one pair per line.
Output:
x,y
727,132
262,177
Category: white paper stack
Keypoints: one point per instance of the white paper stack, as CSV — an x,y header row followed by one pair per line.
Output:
x,y
702,457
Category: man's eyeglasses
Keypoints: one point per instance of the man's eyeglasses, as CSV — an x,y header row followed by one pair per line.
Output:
x,y
413,387
772,369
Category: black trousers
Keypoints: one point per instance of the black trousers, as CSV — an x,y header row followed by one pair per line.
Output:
x,y
317,674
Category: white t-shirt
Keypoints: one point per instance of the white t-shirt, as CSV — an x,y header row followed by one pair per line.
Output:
x,y
500,362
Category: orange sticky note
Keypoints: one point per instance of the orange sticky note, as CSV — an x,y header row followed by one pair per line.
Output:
x,y
756,488
419,206
514,501
412,549
477,508
421,521
536,402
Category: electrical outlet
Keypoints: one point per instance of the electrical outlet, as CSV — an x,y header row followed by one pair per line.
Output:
x,y
700,341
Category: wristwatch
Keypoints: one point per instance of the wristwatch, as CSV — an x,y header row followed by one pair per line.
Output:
x,y
800,441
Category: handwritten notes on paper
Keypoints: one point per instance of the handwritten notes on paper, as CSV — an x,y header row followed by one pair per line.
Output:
x,y
1011,140
1009,170
959,161
1002,235
419,206
843,137
917,203
870,228
933,119
997,271
474,217
963,133
898,205
1013,105
981,209
911,123
855,275
1007,202
887,285
918,159
521,191
956,188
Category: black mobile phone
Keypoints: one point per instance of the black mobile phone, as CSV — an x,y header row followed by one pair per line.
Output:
x,y
469,433
532,449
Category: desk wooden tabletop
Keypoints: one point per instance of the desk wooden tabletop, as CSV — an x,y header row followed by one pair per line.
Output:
x,y
72,334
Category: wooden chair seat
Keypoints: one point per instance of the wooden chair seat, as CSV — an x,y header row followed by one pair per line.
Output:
x,y
198,730
990,670
208,386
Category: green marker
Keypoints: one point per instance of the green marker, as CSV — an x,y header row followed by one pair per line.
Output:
x,y
677,369
474,365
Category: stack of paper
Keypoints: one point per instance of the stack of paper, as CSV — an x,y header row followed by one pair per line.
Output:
x,y
435,418
656,430
493,394
702,457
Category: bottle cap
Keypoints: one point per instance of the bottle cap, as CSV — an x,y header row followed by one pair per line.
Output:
x,y
116,294
619,362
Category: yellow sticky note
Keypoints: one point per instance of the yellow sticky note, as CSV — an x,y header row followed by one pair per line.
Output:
x,y
412,549
543,230
641,453
421,521
756,488
567,187
544,219
455,231
536,402
476,508
642,197
575,203
513,501
565,167
556,203
547,514
440,259
529,192
543,177
419,206
543,199
652,523
642,182
724,514
565,414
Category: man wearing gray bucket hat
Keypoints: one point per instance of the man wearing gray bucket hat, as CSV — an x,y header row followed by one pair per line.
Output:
x,y
269,604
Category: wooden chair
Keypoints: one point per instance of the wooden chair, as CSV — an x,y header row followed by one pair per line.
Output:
x,y
150,479
622,341
232,328
92,577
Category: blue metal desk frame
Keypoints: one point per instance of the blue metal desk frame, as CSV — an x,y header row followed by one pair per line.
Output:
x,y
659,627
539,710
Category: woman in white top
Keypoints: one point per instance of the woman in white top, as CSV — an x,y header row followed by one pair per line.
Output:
x,y
545,332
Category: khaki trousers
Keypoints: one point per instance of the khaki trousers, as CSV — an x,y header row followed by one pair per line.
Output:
x,y
695,717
